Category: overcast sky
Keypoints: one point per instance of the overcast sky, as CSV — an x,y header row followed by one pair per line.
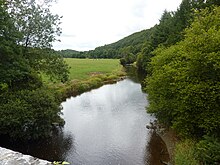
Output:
x,y
87,24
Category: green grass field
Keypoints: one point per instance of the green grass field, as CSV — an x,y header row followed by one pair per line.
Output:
x,y
87,74
83,68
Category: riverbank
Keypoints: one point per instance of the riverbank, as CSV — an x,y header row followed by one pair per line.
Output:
x,y
168,136
77,87
157,150
170,139
85,75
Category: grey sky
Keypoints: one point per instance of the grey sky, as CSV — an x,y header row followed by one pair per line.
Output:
x,y
87,24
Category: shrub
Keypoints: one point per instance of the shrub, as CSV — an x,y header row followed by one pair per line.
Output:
x,y
112,77
29,114
208,150
82,87
95,82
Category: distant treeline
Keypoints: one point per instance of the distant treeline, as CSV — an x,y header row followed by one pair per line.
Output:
x,y
131,44
68,53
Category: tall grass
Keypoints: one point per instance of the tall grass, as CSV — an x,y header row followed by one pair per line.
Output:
x,y
185,153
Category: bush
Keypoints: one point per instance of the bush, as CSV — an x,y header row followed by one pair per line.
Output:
x,y
95,82
208,150
82,87
29,114
112,77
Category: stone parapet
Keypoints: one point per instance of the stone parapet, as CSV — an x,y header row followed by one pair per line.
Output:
x,y
9,157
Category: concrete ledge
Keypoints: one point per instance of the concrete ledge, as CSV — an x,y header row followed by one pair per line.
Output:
x,y
9,157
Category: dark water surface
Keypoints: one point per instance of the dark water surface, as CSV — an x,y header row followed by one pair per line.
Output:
x,y
106,126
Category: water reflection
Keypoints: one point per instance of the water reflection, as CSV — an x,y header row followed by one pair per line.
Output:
x,y
54,148
108,125
156,151
135,75
105,126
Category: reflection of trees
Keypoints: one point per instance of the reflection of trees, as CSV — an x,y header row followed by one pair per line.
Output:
x,y
156,150
57,147
135,75
51,149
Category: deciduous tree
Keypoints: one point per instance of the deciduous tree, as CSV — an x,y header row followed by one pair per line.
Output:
x,y
27,107
183,88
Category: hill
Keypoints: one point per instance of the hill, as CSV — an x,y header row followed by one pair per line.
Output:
x,y
130,44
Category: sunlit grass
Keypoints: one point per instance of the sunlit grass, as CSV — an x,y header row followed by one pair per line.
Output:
x,y
84,68
87,74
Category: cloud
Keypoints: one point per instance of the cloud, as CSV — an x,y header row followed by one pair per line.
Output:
x,y
138,8
87,24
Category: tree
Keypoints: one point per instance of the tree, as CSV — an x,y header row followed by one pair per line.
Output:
x,y
164,30
170,30
38,26
213,2
182,19
127,59
29,114
183,88
144,58
27,108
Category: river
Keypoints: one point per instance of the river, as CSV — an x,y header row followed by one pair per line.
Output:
x,y
105,126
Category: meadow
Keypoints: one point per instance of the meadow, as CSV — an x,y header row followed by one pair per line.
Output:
x,y
81,69
87,74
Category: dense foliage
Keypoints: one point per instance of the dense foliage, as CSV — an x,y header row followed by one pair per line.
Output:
x,y
208,150
183,88
28,114
27,108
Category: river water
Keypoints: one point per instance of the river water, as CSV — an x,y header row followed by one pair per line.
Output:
x,y
106,126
